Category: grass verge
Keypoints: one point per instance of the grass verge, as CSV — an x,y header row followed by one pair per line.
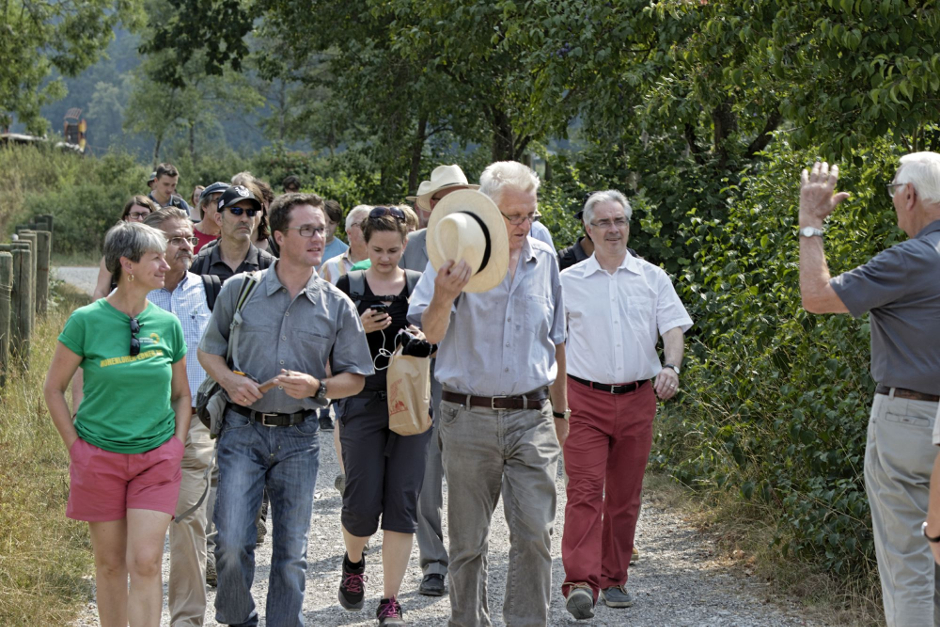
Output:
x,y
742,535
45,558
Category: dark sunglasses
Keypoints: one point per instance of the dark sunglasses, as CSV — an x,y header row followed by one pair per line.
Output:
x,y
237,211
135,343
395,212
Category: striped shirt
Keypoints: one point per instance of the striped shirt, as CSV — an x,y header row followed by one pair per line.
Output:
x,y
188,303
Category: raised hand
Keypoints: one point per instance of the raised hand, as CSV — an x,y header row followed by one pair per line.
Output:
x,y
817,197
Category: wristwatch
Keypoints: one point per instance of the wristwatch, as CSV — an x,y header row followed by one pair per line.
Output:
x,y
673,367
562,414
321,391
924,531
811,231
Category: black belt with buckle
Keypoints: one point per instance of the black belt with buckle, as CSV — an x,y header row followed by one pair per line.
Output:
x,y
270,420
626,388
532,400
911,395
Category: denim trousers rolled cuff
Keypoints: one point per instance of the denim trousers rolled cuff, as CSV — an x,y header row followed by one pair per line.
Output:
x,y
285,461
899,459
480,449
186,590
384,470
606,453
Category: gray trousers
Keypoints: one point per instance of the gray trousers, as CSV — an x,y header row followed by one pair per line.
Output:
x,y
899,458
431,549
481,447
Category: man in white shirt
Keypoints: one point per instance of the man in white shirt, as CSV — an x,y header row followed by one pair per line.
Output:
x,y
617,306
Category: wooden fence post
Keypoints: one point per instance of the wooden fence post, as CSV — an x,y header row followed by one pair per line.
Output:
x,y
21,305
30,237
6,284
43,258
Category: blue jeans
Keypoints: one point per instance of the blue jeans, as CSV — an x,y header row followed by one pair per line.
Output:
x,y
285,460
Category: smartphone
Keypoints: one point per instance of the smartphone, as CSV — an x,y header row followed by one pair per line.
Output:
x,y
381,308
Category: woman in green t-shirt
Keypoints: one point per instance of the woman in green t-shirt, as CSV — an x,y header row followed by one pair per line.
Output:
x,y
125,461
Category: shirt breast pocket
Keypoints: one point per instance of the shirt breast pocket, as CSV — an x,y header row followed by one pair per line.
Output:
x,y
313,346
537,314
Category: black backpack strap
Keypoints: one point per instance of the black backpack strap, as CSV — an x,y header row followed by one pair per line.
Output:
x,y
357,285
411,279
213,285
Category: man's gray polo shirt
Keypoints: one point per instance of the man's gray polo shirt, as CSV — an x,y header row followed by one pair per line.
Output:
x,y
901,288
320,324
501,342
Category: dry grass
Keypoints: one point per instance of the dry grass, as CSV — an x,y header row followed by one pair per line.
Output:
x,y
45,558
742,536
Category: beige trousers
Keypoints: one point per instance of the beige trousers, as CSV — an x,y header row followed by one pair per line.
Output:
x,y
187,583
899,457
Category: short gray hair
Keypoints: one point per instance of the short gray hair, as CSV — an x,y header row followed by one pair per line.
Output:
x,y
511,174
131,240
609,195
157,218
357,214
923,170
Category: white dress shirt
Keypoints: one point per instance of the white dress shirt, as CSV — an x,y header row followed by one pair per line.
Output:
x,y
615,320
188,303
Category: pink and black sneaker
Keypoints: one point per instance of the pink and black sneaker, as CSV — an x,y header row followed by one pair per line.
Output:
x,y
352,587
390,612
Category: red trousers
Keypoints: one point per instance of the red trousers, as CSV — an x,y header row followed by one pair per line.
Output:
x,y
605,458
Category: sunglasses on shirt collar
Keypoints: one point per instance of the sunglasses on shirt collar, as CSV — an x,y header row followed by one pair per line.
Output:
x,y
135,343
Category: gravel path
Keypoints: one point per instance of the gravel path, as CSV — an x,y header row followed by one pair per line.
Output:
x,y
678,581
84,278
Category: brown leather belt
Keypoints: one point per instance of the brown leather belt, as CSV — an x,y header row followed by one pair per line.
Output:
x,y
910,395
532,400
626,388
270,420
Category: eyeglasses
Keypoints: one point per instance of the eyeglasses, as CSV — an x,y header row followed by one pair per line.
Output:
x,y
606,224
517,220
237,211
395,212
308,230
178,241
892,188
138,215
135,343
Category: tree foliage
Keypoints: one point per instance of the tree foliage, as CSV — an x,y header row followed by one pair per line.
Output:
x,y
39,36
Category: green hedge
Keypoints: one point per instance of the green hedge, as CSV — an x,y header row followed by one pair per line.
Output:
x,y
777,400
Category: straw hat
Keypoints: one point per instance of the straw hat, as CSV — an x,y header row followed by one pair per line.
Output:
x,y
442,176
467,225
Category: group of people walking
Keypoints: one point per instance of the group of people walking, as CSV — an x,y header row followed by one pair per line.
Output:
x,y
528,363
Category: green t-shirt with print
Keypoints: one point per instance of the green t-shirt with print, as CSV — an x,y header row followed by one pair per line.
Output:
x,y
126,405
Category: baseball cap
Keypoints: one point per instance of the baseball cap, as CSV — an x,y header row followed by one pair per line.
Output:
x,y
237,193
215,188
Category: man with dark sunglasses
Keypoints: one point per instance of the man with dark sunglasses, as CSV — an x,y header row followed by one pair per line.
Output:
x,y
234,252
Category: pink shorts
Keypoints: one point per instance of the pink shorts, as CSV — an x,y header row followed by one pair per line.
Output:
x,y
104,485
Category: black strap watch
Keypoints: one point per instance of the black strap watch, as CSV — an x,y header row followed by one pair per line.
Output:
x,y
321,391
672,367
924,531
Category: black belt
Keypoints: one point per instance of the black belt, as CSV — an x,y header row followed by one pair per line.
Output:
x,y
910,395
525,401
626,388
270,420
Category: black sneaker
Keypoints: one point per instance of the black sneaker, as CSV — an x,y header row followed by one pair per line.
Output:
x,y
352,587
433,586
390,612
326,423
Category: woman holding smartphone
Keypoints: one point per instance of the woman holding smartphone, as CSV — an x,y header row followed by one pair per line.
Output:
x,y
384,471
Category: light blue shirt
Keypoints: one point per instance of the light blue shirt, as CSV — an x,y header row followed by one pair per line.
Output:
x,y
334,249
540,232
501,342
188,303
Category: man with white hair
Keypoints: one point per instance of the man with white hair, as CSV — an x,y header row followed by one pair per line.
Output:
x,y
900,288
501,355
338,266
617,307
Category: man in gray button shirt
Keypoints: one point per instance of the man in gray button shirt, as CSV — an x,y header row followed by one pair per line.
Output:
x,y
292,324
507,342
900,287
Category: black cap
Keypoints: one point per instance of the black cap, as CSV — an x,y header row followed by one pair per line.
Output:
x,y
237,193
215,188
